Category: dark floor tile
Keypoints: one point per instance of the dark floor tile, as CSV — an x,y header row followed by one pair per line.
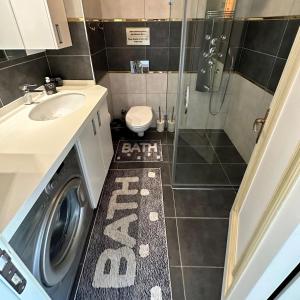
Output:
x,y
165,152
170,151
164,166
203,283
202,241
192,138
168,201
219,138
177,283
200,174
172,239
229,155
196,154
204,203
235,172
170,138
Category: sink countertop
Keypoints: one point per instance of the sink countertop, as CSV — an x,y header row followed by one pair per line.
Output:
x,y
31,151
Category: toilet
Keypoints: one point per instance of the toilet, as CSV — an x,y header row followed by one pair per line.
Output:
x,y
139,119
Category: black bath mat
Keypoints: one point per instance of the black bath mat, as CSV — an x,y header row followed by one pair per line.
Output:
x,y
127,256
137,151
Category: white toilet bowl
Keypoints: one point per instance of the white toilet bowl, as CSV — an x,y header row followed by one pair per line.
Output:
x,y
139,118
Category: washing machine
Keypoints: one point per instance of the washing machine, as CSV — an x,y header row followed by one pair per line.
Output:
x,y
51,239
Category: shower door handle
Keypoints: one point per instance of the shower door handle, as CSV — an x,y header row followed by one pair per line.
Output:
x,y
187,99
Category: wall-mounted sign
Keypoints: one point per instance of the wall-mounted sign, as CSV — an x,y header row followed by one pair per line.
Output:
x,y
138,36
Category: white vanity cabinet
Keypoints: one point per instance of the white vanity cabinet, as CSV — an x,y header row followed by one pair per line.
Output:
x,y
105,140
96,150
41,24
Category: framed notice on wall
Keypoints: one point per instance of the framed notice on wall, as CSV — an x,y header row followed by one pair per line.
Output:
x,y
138,36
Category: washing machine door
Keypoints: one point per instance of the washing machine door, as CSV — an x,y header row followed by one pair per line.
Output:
x,y
62,233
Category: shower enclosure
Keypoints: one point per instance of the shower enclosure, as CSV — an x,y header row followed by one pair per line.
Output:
x,y
203,154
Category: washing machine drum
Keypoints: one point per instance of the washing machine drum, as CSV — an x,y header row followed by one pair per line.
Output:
x,y
61,233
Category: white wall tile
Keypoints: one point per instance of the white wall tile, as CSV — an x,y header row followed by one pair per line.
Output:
x,y
157,9
248,102
73,8
126,9
105,81
125,101
243,8
172,82
216,122
128,83
197,115
269,8
92,9
156,100
157,83
171,101
201,10
295,9
196,8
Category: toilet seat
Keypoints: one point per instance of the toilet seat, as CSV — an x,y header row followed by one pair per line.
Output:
x,y
139,116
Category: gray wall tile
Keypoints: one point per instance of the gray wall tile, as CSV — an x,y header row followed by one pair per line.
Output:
x,y
31,70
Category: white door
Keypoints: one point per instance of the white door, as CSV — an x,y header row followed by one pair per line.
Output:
x,y
264,222
32,289
105,140
91,160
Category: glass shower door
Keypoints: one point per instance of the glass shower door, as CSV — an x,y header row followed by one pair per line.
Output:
x,y
201,101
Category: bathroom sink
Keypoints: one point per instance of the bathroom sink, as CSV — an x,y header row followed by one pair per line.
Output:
x,y
57,106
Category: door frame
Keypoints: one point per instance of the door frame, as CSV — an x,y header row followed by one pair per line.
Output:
x,y
233,268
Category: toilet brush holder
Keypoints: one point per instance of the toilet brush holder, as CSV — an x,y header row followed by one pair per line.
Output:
x,y
160,125
171,125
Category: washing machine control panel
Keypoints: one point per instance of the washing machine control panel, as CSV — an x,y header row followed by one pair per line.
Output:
x,y
10,273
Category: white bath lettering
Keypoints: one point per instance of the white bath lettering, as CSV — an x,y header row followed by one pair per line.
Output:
x,y
114,205
114,279
118,231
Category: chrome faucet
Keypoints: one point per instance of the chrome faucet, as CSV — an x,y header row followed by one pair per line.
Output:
x,y
27,89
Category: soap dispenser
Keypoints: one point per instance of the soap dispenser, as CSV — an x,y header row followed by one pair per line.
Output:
x,y
50,86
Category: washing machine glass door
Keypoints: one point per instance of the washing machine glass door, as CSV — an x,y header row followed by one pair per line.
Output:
x,y
62,233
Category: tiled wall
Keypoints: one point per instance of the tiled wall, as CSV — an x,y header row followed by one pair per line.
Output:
x,y
30,69
164,50
264,49
150,9
267,8
73,62
247,102
261,47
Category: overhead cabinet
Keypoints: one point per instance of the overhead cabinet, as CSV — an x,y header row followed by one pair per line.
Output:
x,y
39,24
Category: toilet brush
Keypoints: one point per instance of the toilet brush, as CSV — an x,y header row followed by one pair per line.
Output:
x,y
160,124
171,122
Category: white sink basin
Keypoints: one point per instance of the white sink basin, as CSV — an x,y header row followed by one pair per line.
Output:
x,y
57,106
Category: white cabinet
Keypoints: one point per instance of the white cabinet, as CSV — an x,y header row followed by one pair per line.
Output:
x,y
105,140
96,151
42,24
10,37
